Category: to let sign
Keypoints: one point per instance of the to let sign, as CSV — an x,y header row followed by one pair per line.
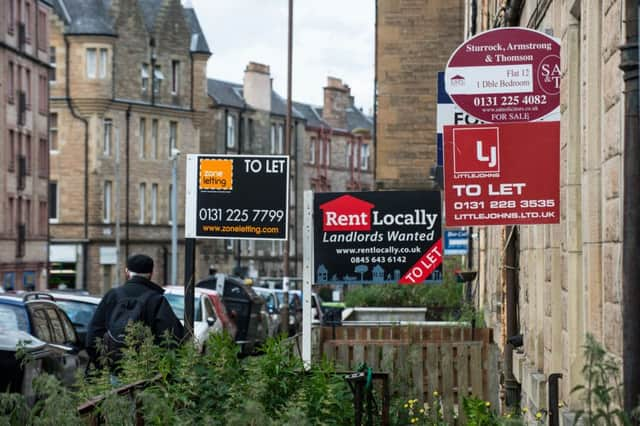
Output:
x,y
504,174
377,237
506,75
237,196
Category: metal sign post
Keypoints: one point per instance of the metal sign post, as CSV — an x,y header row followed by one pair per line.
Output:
x,y
307,276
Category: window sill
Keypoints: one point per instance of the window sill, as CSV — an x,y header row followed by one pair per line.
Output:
x,y
54,221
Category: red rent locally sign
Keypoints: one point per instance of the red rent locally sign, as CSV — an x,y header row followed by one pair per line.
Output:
x,y
506,75
504,174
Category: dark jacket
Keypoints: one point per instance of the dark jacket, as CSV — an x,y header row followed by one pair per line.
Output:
x,y
159,316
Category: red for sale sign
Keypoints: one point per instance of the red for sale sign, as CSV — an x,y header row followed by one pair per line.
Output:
x,y
502,174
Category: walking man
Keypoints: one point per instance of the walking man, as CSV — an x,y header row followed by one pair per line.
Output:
x,y
138,299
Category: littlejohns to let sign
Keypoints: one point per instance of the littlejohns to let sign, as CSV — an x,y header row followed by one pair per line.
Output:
x,y
506,75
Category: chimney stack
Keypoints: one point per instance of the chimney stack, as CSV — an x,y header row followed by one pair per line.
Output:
x,y
337,98
257,86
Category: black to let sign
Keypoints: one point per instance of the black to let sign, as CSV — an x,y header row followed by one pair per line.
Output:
x,y
237,196
377,237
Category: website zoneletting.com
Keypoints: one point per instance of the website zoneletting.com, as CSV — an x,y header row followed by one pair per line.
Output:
x,y
256,230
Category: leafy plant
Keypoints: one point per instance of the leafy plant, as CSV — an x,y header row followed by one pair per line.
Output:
x,y
602,390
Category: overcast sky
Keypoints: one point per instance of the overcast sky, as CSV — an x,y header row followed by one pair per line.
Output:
x,y
330,38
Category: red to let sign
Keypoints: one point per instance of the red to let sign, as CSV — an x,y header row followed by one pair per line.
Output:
x,y
502,174
506,75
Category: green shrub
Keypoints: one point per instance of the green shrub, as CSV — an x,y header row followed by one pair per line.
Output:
x,y
191,388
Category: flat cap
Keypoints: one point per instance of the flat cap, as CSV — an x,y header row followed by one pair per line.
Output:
x,y
140,264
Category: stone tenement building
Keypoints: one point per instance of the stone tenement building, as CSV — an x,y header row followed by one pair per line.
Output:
x,y
24,161
555,284
338,147
128,86
249,118
414,39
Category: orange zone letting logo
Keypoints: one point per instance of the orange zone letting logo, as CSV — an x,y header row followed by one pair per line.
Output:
x,y
216,175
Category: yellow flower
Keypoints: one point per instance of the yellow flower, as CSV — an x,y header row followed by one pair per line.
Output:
x,y
406,405
509,415
488,404
435,393
538,415
524,410
413,420
422,411
560,404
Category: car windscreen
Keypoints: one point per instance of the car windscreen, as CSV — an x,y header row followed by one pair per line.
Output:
x,y
177,304
13,318
79,313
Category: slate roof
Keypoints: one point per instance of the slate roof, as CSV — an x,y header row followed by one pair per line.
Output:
x,y
229,94
356,119
312,114
225,93
85,17
92,17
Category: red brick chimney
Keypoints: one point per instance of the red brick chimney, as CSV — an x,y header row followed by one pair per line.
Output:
x,y
337,98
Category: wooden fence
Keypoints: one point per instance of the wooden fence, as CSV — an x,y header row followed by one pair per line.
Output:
x,y
450,360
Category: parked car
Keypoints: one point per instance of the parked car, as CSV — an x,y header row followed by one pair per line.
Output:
x,y
245,307
272,306
35,318
80,308
205,319
228,324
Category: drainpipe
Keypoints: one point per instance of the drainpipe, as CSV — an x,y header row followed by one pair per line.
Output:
x,y
512,13
374,139
126,184
631,214
86,162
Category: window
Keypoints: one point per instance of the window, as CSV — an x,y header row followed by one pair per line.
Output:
x,y
173,136
40,325
364,157
53,131
27,88
141,193
52,63
27,215
231,131
11,88
27,153
350,146
280,139
175,77
154,203
53,201
106,277
43,151
91,63
42,218
42,30
106,205
273,139
43,96
103,63
107,133
27,21
312,151
11,218
157,79
12,151
154,139
12,16
142,136
144,74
